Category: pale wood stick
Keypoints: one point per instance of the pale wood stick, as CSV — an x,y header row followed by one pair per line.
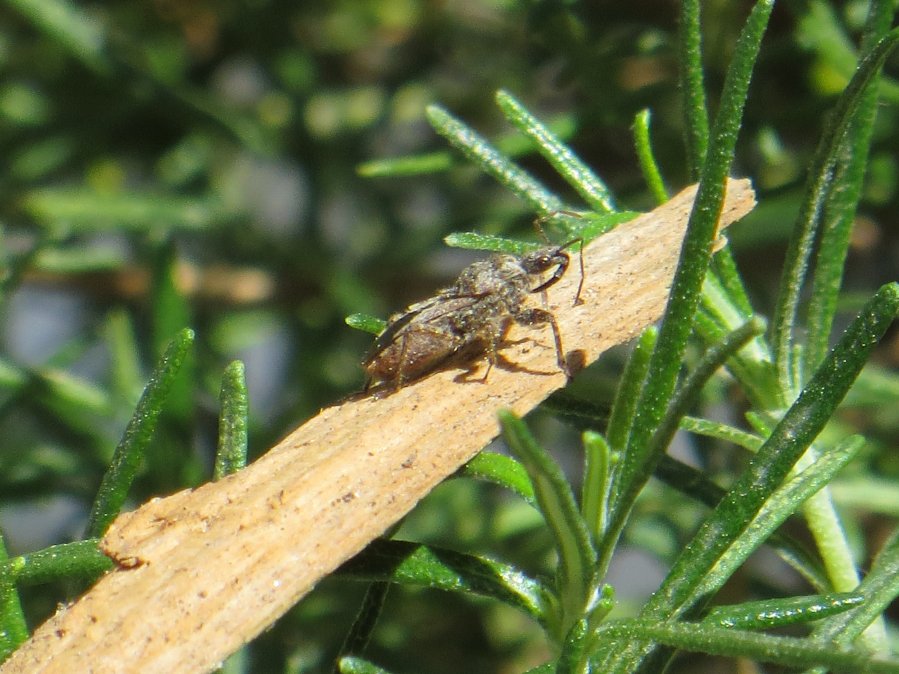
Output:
x,y
204,571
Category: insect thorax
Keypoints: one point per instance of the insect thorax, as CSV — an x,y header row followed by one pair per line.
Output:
x,y
499,274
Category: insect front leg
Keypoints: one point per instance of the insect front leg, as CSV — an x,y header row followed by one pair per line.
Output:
x,y
541,317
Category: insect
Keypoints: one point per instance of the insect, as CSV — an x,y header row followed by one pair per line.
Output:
x,y
471,317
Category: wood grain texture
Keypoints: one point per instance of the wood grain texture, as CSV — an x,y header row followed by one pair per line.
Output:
x,y
203,571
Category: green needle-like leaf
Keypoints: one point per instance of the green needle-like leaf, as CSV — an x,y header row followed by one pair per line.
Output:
x,y
729,308
78,560
481,152
726,274
719,431
771,613
621,418
577,557
495,244
13,629
696,117
231,455
573,658
593,190
127,457
501,470
592,225
651,172
821,176
512,145
433,162
842,200
784,651
363,626
598,463
354,665
427,566
366,323
582,414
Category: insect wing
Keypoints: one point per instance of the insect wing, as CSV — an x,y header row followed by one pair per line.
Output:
x,y
388,337
427,312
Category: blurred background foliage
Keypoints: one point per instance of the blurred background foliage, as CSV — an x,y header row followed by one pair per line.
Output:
x,y
171,163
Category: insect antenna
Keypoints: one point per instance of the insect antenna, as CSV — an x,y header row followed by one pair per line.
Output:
x,y
539,222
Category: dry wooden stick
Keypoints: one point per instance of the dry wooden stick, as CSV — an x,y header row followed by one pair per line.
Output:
x,y
204,571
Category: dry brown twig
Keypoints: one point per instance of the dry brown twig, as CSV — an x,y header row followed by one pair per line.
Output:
x,y
204,571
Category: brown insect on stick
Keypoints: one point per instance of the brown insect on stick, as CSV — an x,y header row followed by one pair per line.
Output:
x,y
472,316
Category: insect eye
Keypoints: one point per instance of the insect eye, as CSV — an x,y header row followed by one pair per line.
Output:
x,y
559,258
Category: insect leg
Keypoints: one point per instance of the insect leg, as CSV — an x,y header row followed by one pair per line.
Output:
x,y
491,359
540,317
580,285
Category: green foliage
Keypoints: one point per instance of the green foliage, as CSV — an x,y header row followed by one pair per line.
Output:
x,y
257,172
